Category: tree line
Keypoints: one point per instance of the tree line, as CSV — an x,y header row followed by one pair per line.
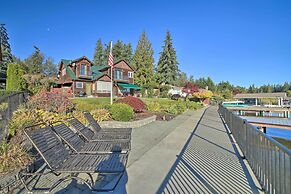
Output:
x,y
147,74
37,70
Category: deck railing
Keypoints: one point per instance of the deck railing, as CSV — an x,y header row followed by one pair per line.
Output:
x,y
269,160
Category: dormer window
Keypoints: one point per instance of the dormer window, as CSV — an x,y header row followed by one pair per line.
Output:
x,y
83,69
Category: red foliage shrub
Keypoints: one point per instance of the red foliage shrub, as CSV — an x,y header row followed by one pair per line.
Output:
x,y
52,102
137,104
190,88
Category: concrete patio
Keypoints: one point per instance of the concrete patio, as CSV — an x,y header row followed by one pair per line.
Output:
x,y
190,154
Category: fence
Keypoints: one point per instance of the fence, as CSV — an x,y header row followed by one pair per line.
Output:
x,y
270,161
9,104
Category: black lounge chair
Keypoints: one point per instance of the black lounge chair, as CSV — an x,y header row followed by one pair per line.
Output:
x,y
78,145
89,135
58,160
97,128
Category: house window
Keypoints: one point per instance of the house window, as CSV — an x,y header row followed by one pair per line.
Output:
x,y
79,84
83,69
64,72
130,74
103,87
118,74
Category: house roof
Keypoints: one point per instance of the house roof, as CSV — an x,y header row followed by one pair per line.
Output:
x,y
261,95
101,67
124,62
70,72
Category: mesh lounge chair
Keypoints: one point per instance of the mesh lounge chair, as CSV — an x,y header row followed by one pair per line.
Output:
x,y
78,145
89,135
59,160
96,127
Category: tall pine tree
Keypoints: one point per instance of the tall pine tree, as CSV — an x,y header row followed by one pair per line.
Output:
x,y
5,50
167,68
143,63
117,51
127,53
34,62
98,54
106,54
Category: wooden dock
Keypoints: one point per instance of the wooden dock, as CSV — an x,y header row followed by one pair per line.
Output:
x,y
283,123
260,108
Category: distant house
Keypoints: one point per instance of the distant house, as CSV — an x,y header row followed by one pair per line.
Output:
x,y
80,77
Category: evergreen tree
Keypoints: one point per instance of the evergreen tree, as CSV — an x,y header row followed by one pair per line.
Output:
x,y
143,63
211,84
34,62
182,79
191,79
5,50
98,54
127,53
168,66
106,54
49,68
15,80
117,51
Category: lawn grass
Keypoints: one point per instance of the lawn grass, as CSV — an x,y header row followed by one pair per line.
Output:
x,y
92,100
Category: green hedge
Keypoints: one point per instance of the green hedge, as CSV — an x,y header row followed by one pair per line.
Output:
x,y
171,106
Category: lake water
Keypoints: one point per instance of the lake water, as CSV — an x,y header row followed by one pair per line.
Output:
x,y
281,133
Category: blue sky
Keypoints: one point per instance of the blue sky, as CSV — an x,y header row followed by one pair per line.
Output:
x,y
244,42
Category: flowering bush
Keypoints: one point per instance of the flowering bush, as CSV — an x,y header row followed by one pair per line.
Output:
x,y
51,102
137,104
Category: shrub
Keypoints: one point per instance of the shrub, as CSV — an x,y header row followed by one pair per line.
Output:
x,y
15,80
154,106
101,115
22,118
3,106
51,102
12,157
121,112
181,107
193,105
137,104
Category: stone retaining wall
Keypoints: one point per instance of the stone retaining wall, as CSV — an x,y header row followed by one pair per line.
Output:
x,y
131,124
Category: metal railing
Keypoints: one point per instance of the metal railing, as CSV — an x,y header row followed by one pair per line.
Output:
x,y
269,160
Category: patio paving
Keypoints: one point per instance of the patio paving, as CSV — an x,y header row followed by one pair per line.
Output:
x,y
190,154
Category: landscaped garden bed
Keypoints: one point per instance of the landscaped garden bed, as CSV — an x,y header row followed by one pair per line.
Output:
x,y
46,107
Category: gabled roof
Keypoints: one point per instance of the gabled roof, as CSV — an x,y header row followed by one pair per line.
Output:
x,y
70,72
100,67
124,62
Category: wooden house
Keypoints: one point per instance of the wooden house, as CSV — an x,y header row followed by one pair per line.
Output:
x,y
81,77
